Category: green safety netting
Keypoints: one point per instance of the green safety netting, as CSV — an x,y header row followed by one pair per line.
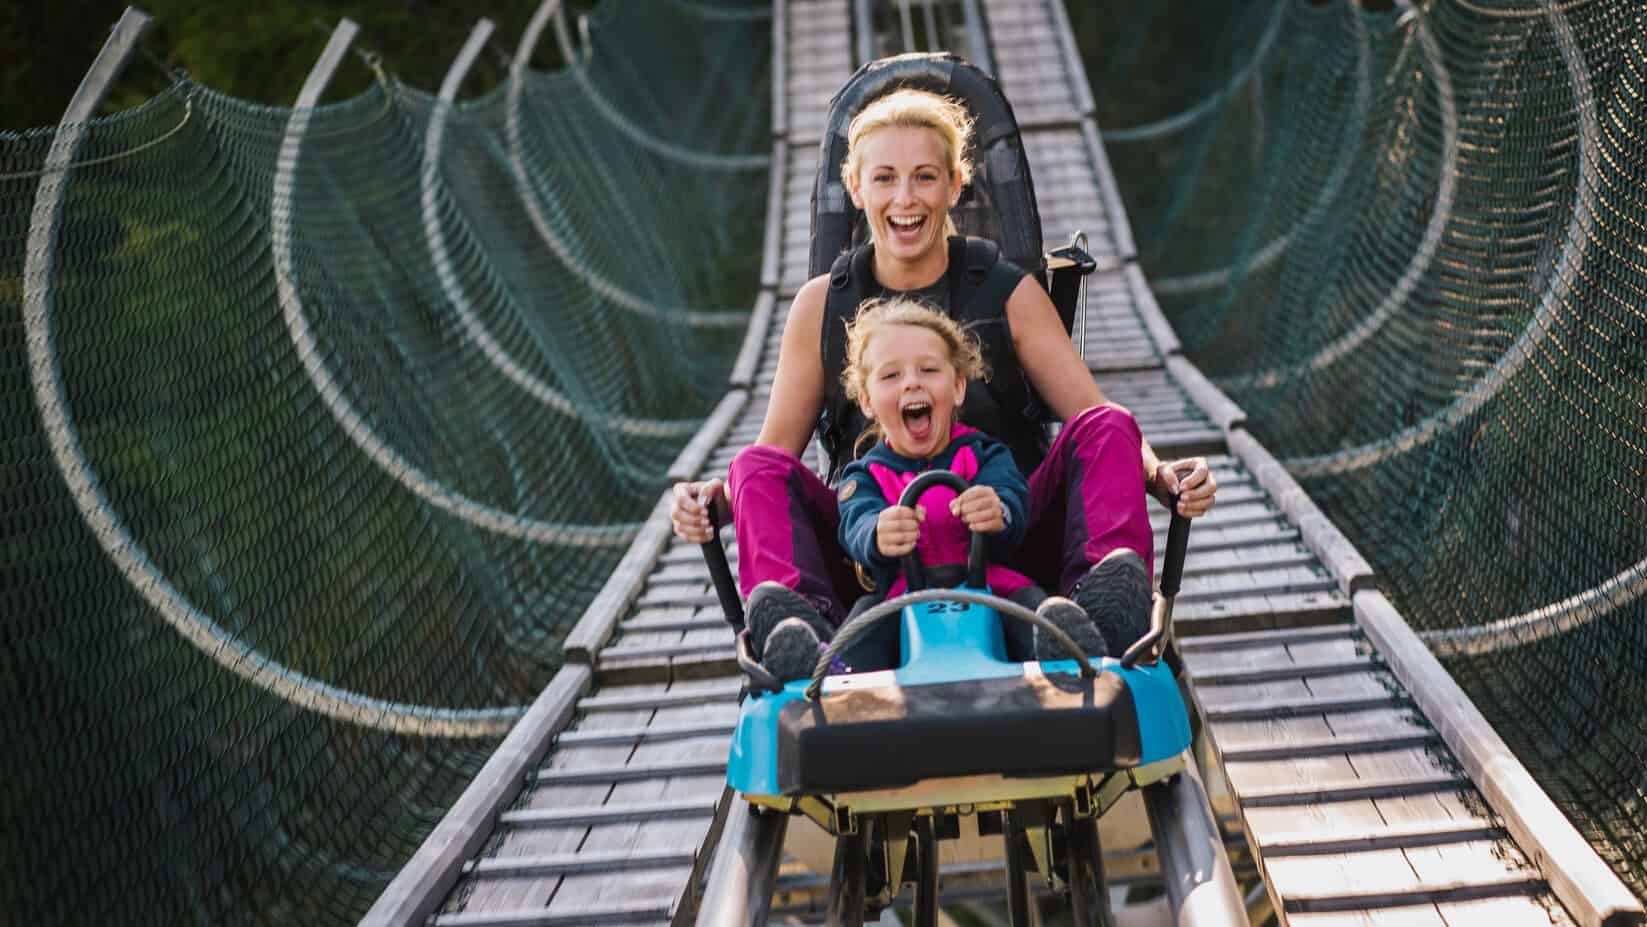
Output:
x,y
321,429
1412,244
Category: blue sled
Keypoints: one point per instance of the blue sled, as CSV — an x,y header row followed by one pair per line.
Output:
x,y
956,709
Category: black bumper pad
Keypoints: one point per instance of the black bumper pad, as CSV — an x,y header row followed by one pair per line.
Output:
x,y
1018,726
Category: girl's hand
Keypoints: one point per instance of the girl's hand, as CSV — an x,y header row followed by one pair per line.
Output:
x,y
689,509
897,529
981,509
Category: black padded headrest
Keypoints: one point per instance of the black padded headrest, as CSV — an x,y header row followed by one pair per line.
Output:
x,y
999,204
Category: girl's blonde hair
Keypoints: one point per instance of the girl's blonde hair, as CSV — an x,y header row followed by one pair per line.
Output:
x,y
875,315
913,109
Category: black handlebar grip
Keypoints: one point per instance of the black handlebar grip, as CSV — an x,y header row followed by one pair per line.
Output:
x,y
977,553
1172,570
726,589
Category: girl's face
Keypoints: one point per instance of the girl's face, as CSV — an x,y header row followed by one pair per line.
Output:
x,y
911,388
905,189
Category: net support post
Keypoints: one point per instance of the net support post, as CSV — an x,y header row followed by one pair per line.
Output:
x,y
1320,535
465,60
50,397
48,197
1591,891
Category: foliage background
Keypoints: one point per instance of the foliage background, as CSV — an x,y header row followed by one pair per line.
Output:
x,y
258,52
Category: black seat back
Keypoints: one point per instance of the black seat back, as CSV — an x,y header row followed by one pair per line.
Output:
x,y
998,205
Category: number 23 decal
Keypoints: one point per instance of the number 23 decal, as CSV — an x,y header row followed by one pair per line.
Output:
x,y
941,607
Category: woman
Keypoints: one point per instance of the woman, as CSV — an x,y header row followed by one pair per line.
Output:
x,y
1089,533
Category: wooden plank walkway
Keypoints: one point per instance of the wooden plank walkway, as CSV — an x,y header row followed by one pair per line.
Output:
x,y
1352,803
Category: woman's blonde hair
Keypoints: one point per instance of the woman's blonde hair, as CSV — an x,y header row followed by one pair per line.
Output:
x,y
913,109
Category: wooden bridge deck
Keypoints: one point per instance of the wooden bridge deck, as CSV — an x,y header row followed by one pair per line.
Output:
x,y
599,807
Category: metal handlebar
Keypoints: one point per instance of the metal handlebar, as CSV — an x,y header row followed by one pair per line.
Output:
x,y
720,572
857,627
914,571
1172,576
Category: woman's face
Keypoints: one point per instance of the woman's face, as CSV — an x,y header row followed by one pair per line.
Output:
x,y
911,388
905,188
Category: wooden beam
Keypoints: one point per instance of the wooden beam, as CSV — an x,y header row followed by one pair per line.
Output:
x,y
595,628
636,735
689,462
654,625
1330,746
1261,709
1247,639
1309,670
637,772
1315,843
668,651
1329,901
566,863
420,885
643,701
1319,533
1584,883
608,814
625,912
1353,791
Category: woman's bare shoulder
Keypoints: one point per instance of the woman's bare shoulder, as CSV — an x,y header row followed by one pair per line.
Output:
x,y
806,309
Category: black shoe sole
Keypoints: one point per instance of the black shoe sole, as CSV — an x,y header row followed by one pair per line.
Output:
x,y
791,651
1115,593
770,603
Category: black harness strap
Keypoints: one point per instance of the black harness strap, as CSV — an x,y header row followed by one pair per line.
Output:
x,y
979,284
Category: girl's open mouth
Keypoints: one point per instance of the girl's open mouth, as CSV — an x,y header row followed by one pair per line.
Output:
x,y
918,420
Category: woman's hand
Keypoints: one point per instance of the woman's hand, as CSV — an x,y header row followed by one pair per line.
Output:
x,y
897,529
1190,480
689,509
981,509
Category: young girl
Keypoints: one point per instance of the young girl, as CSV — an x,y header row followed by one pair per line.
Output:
x,y
907,368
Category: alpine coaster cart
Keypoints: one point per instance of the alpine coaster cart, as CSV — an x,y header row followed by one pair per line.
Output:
x,y
887,761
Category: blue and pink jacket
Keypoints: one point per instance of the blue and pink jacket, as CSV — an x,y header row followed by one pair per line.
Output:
x,y
875,481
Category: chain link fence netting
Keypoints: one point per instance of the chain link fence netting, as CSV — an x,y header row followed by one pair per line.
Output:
x,y
321,429
1411,241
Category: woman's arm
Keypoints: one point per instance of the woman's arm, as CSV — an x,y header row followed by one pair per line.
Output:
x,y
791,413
798,387
1047,354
